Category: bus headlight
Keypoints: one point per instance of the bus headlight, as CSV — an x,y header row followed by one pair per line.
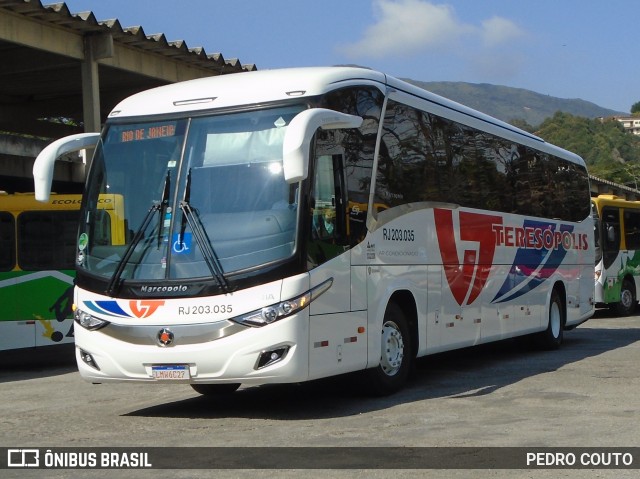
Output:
x,y
88,321
276,312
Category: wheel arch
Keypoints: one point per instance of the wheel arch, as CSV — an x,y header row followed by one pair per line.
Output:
x,y
620,307
561,289
551,335
407,303
632,279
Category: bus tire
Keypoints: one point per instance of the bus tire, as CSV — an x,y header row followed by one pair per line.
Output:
x,y
627,303
215,389
396,355
551,338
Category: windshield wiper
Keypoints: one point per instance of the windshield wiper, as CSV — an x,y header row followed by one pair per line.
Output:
x,y
186,198
164,203
161,207
190,216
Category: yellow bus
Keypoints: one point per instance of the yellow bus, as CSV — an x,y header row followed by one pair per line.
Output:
x,y
37,265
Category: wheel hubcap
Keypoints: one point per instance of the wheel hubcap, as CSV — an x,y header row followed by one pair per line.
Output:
x,y
554,319
392,348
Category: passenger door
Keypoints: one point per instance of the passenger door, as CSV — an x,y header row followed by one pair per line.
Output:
x,y
336,345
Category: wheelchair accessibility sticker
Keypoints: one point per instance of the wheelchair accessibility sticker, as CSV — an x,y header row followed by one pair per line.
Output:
x,y
181,247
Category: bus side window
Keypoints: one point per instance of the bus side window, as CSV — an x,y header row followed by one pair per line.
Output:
x,y
47,239
324,201
7,242
611,239
327,212
632,229
611,220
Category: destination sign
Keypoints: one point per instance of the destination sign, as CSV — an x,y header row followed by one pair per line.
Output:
x,y
148,133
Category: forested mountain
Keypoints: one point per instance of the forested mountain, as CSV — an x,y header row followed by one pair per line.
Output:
x,y
510,104
609,151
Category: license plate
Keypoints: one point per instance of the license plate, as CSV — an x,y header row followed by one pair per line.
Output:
x,y
171,372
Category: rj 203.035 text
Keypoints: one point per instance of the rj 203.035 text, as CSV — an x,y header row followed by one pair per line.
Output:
x,y
395,234
205,309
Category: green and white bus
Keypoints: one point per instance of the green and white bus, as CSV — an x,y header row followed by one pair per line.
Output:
x,y
617,238
37,266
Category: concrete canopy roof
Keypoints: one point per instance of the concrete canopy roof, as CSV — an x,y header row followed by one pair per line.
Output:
x,y
57,64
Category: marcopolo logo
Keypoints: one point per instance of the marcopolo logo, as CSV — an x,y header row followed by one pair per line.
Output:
x,y
540,248
179,288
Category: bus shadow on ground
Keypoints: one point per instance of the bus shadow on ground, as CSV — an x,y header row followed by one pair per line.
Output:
x,y
475,371
33,363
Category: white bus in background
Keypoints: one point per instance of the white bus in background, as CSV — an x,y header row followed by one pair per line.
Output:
x,y
289,225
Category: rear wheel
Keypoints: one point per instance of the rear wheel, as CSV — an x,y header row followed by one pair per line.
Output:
x,y
551,338
627,302
396,355
215,389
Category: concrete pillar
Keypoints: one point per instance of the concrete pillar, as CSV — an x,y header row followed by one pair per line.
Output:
x,y
96,47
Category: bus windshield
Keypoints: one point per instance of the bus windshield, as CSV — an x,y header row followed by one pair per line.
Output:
x,y
202,197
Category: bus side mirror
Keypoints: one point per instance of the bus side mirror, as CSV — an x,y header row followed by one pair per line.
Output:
x,y
45,161
297,139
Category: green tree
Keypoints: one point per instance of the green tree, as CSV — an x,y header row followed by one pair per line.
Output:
x,y
609,151
522,124
635,108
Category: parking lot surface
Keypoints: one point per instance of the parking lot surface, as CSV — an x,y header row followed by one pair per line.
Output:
x,y
585,395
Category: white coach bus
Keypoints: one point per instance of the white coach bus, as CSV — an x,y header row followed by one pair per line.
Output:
x,y
288,225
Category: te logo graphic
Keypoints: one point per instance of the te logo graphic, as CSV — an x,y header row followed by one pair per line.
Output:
x,y
466,273
144,308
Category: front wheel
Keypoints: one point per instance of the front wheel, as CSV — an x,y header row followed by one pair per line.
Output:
x,y
551,338
396,355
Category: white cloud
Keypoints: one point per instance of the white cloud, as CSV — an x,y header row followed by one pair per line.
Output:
x,y
404,27
498,30
408,27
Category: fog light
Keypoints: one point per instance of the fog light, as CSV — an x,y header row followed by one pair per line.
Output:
x,y
88,359
267,358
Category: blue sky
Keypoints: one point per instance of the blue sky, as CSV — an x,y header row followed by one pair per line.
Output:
x,y
563,48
